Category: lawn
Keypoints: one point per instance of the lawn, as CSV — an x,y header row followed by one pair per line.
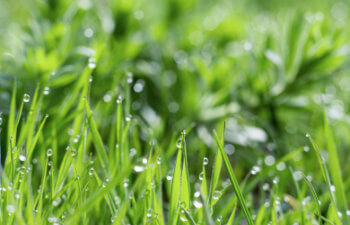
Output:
x,y
159,112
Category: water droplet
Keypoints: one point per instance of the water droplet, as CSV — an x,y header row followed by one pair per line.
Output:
x,y
149,212
275,180
201,176
144,161
53,219
22,158
10,209
266,187
229,149
139,85
348,212
306,148
46,90
179,143
126,183
255,170
119,99
307,135
169,177
92,63
107,180
340,214
139,169
197,194
216,195
281,166
129,77
132,152
128,118
332,188
182,217
107,98
49,152
269,160
219,219
88,32
26,98
298,175
197,204
91,171
205,161
1,120
159,160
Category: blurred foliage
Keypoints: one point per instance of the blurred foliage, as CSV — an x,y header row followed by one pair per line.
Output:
x,y
267,67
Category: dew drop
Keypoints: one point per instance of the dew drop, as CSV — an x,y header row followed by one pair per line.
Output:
x,y
128,118
46,90
201,176
159,160
266,187
205,161
119,99
281,166
179,143
138,168
91,171
269,160
126,183
26,98
129,77
10,209
197,204
92,63
298,175
255,170
49,152
107,98
22,158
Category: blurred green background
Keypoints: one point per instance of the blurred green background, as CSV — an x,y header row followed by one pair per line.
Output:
x,y
266,67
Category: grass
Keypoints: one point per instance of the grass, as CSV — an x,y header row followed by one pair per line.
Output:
x,y
194,113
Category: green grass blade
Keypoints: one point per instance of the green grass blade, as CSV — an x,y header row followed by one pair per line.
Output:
x,y
335,171
175,187
234,181
97,140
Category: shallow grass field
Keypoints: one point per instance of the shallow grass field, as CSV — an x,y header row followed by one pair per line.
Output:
x,y
174,112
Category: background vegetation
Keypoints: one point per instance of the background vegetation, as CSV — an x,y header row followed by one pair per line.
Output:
x,y
174,112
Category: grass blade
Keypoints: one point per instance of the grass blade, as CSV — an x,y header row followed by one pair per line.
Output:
x,y
234,181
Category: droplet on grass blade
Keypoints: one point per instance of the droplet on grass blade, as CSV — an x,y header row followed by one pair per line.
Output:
x,y
138,168
92,63
205,161
49,152
255,170
46,90
269,160
22,158
26,98
10,209
281,166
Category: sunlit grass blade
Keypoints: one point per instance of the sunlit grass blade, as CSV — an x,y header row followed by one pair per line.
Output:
x,y
97,140
175,187
325,174
217,165
314,195
234,181
335,171
185,184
